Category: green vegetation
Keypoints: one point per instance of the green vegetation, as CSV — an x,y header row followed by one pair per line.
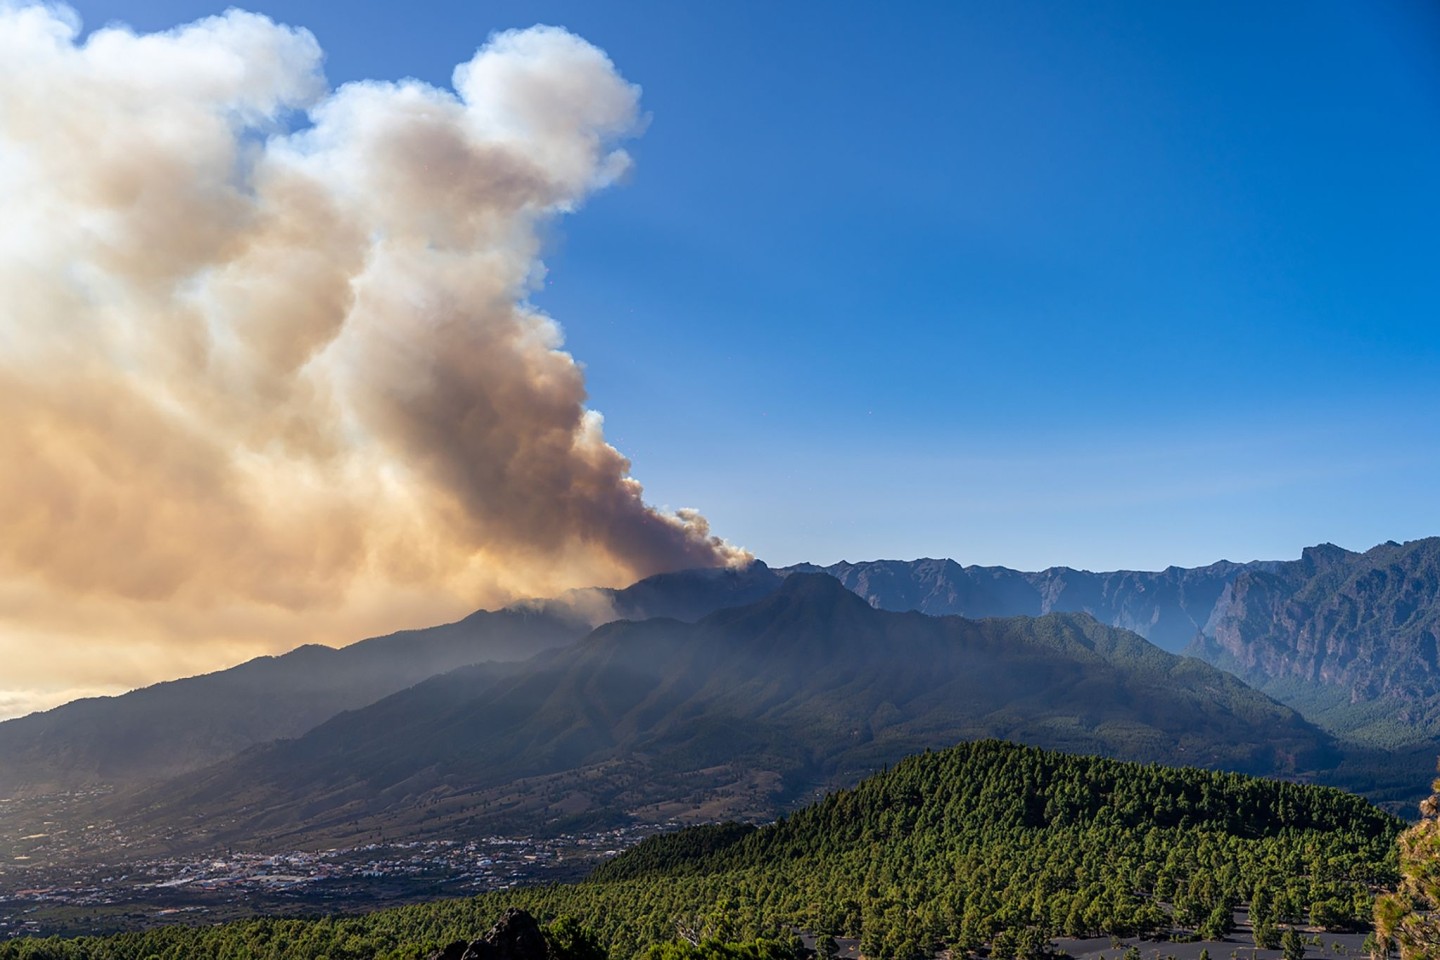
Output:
x,y
760,948
987,843
1407,921
686,851
1383,724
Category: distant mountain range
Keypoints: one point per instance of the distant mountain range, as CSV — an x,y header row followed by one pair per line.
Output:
x,y
1169,608
745,711
163,730
737,692
1349,639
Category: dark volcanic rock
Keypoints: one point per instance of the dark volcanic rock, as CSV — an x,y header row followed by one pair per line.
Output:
x,y
515,937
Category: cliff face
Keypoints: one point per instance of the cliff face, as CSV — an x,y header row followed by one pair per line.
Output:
x,y
1167,607
1362,627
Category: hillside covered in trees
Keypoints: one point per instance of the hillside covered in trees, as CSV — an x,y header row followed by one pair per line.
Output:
x,y
985,844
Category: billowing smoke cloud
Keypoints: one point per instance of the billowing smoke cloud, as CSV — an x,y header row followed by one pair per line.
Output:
x,y
267,368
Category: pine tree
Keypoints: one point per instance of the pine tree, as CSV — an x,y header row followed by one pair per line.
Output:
x,y
1408,920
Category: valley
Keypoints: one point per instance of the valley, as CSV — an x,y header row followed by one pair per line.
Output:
x,y
985,844
143,892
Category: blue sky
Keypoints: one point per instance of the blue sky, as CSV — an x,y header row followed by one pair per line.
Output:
x,y
1102,284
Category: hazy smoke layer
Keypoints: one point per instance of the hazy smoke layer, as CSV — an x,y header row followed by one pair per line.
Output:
x,y
249,376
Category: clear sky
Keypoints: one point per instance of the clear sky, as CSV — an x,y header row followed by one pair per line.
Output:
x,y
1098,284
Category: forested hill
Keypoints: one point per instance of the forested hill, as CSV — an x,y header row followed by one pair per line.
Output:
x,y
994,839
996,788
987,843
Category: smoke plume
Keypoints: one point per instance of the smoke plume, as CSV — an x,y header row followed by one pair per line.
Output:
x,y
267,368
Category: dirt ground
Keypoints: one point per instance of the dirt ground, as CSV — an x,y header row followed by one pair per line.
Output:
x,y
1333,946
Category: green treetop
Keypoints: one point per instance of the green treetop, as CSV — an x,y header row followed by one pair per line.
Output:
x,y
1408,920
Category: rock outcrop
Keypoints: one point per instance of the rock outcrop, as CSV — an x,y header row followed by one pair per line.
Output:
x,y
516,936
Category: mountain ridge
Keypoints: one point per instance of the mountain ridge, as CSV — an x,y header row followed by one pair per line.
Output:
x,y
1351,639
168,728
1280,624
1354,638
808,685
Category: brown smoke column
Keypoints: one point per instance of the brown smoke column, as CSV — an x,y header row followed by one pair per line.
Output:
x,y
255,382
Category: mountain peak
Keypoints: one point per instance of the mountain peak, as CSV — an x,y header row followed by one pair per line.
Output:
x,y
815,599
1325,553
817,588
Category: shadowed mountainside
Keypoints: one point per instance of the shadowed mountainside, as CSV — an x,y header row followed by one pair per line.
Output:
x,y
163,730
166,729
1348,639
810,686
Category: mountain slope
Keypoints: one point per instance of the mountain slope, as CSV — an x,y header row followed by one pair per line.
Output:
x,y
169,728
1352,638
1348,639
744,711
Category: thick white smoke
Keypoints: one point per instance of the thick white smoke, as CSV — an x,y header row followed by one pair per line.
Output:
x,y
263,383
